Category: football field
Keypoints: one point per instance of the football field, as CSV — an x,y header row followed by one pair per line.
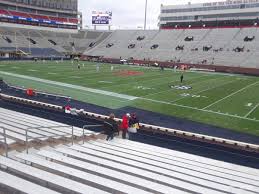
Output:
x,y
225,100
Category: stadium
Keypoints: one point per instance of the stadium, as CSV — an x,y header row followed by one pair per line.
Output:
x,y
168,110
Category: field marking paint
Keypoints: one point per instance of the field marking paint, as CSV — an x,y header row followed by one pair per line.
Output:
x,y
103,92
106,82
193,108
232,94
252,110
76,77
52,73
249,104
170,89
142,81
205,90
32,70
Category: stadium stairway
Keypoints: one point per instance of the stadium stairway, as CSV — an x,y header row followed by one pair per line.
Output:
x,y
23,131
121,166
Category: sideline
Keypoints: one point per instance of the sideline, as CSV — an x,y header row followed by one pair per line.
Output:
x,y
103,92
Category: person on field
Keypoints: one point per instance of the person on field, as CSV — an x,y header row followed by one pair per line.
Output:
x,y
97,67
133,126
125,125
111,127
162,68
181,78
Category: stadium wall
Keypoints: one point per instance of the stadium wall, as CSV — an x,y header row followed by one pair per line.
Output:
x,y
216,68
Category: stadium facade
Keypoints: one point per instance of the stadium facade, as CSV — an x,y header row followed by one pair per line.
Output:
x,y
44,13
228,13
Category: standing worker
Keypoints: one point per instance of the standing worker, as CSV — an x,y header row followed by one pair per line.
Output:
x,y
97,67
181,78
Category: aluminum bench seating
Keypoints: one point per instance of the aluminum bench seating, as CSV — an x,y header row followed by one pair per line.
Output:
x,y
21,185
138,168
9,141
84,176
44,122
171,170
235,170
25,124
176,165
113,174
64,184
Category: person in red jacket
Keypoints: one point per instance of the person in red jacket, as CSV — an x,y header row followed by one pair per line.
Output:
x,y
125,125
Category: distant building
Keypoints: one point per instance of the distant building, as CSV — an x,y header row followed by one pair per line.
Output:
x,y
215,14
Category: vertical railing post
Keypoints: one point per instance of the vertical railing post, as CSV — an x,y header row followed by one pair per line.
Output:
x,y
5,142
26,136
83,134
72,135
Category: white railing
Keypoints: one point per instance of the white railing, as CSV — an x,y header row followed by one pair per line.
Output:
x,y
5,141
176,132
28,138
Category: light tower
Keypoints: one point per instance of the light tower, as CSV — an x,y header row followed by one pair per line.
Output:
x,y
145,23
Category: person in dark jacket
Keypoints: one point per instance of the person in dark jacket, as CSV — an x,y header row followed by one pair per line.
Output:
x,y
111,127
181,78
133,126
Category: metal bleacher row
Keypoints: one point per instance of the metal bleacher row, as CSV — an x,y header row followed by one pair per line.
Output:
x,y
94,43
16,125
122,166
48,43
224,39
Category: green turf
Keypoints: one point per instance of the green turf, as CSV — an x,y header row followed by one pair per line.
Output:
x,y
224,100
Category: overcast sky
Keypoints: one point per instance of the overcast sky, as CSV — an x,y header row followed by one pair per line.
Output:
x,y
128,14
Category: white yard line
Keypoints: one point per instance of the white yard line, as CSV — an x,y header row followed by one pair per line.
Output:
x,y
193,108
252,110
142,81
76,77
106,93
205,90
105,82
232,94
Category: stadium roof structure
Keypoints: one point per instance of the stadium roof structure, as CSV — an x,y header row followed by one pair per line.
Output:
x,y
52,14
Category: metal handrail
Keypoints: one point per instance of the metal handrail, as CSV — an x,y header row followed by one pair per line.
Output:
x,y
5,141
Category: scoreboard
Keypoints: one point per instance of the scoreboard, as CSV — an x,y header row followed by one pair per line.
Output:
x,y
101,18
